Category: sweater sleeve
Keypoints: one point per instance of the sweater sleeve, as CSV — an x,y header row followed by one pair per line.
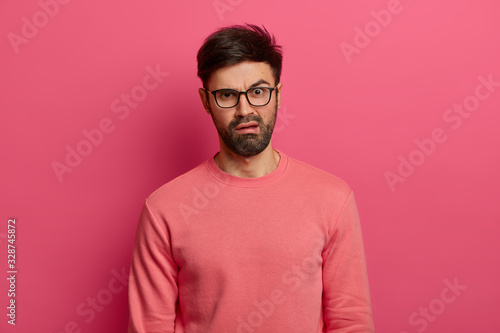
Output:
x,y
153,289
346,296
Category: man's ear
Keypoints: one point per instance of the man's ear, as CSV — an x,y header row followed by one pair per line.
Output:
x,y
204,99
278,95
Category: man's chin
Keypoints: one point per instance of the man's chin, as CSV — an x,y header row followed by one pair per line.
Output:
x,y
248,148
249,153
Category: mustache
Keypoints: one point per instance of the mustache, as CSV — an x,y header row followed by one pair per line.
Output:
x,y
247,119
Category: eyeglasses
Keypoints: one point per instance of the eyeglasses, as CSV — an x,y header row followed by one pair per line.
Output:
x,y
229,98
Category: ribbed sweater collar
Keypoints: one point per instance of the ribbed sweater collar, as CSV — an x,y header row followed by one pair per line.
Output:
x,y
228,179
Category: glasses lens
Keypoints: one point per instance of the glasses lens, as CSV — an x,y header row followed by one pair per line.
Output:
x,y
227,98
259,96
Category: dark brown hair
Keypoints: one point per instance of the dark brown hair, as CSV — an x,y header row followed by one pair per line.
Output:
x,y
234,44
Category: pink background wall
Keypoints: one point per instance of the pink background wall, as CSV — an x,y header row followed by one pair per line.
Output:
x,y
399,98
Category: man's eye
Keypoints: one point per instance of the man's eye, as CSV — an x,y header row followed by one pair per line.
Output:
x,y
226,94
258,92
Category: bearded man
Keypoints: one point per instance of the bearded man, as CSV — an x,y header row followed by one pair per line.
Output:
x,y
251,240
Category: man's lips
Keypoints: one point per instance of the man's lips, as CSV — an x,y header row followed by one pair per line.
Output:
x,y
250,127
251,124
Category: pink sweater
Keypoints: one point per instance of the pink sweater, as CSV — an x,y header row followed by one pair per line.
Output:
x,y
224,254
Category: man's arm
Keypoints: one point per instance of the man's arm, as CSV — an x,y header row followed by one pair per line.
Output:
x,y
153,278
346,296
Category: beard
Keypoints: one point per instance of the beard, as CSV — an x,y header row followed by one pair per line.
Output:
x,y
247,144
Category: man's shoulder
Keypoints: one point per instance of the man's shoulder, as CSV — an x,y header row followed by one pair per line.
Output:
x,y
180,185
313,176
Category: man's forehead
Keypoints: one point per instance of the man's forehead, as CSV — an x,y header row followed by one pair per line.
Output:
x,y
242,75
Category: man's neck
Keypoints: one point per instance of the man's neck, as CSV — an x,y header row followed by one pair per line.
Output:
x,y
248,167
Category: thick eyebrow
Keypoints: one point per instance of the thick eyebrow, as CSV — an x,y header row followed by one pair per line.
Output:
x,y
258,83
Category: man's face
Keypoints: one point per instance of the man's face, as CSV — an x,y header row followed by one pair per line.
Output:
x,y
244,129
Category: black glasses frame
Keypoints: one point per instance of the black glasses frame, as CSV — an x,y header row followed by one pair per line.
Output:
x,y
239,95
